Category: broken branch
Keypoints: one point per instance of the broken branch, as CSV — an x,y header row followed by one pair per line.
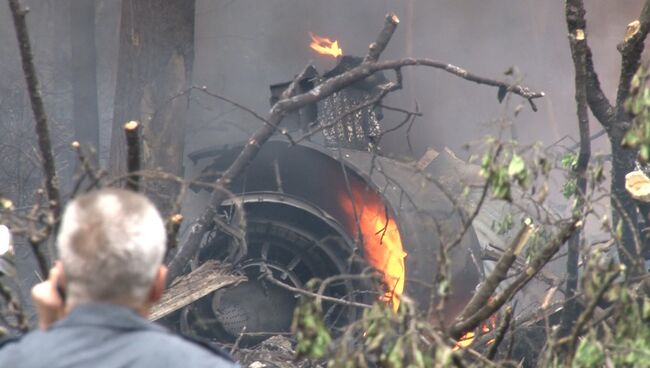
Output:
x,y
577,24
461,326
377,47
132,132
499,273
631,49
209,277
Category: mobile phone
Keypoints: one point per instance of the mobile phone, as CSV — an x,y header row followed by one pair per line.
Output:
x,y
61,291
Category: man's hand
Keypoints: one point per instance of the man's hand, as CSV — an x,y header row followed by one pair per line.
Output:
x,y
49,305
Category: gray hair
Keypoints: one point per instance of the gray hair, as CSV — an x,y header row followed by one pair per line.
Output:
x,y
111,244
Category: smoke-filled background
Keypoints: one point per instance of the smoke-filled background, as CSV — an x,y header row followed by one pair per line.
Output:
x,y
242,46
245,45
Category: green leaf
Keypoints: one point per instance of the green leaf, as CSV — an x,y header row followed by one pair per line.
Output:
x,y
516,166
485,165
589,354
569,160
631,139
569,188
619,229
644,153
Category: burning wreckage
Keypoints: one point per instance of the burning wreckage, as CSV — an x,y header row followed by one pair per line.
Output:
x,y
330,206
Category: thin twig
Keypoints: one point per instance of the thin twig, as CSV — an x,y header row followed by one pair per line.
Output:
x,y
86,166
269,277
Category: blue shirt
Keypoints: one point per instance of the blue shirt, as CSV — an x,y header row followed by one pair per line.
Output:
x,y
106,335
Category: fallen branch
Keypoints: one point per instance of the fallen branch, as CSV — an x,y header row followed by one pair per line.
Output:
x,y
209,277
544,256
499,273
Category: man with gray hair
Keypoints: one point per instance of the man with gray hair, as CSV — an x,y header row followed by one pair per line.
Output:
x,y
93,306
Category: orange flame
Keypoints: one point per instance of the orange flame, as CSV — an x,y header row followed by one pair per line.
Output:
x,y
465,341
382,243
325,46
468,338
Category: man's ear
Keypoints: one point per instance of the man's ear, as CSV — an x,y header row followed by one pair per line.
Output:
x,y
158,286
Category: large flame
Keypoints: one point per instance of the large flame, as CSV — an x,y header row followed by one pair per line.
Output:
x,y
325,46
382,243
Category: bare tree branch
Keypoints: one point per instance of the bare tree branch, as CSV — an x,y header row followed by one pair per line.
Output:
x,y
42,130
579,50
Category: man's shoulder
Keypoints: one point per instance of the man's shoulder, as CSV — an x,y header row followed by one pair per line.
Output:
x,y
146,347
212,348
11,348
8,340
14,341
172,345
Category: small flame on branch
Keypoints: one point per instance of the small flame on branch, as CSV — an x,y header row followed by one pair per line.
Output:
x,y
468,338
325,46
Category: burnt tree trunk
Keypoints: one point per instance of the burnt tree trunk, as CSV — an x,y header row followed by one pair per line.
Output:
x,y
154,74
83,74
616,121
624,208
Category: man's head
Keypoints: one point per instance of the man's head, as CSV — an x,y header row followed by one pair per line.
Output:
x,y
111,244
